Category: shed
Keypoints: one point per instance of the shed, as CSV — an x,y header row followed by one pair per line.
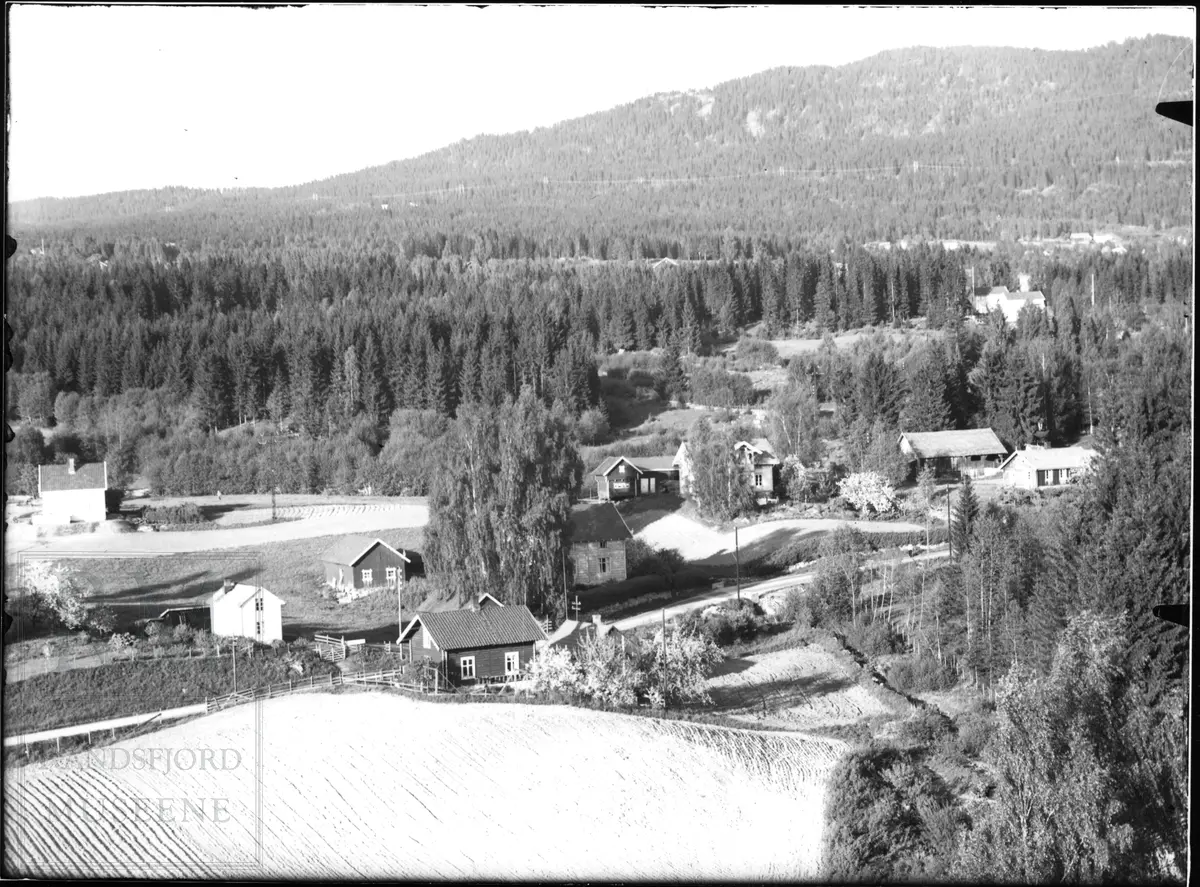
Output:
x,y
622,477
491,643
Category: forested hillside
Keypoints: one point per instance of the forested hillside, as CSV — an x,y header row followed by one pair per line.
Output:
x,y
975,143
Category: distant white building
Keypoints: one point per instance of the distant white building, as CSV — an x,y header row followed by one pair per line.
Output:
x,y
72,492
1036,467
1010,304
246,611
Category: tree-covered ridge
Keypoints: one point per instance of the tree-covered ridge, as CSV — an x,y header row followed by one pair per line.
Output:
x,y
972,143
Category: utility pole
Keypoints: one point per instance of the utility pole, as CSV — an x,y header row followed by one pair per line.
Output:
x,y
233,652
737,559
664,675
564,572
1093,289
949,535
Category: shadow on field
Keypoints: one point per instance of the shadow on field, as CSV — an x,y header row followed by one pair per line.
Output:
x,y
180,591
642,511
778,694
773,543
212,512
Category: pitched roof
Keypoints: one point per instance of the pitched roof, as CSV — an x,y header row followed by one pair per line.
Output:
x,y
1047,459
240,594
349,550
935,444
597,523
488,627
87,476
760,449
571,634
654,463
611,462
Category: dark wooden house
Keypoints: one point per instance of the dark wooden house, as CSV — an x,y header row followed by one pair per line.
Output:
x,y
361,562
486,642
620,477
598,537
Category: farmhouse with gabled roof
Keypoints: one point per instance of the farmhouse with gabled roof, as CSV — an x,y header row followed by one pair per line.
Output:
x,y
1035,467
598,536
246,611
622,477
72,492
491,642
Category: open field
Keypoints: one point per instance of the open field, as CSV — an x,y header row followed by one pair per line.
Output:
x,y
702,544
371,785
804,688
789,348
139,587
304,521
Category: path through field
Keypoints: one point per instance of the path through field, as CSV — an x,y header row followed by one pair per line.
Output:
x,y
369,785
702,544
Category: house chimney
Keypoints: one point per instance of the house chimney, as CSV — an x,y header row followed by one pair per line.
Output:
x,y
597,619
227,585
71,465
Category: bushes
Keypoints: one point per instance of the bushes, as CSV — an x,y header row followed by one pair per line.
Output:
x,y
717,388
925,727
879,638
187,513
920,674
757,353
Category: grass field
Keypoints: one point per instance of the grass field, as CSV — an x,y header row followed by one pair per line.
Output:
x,y
357,785
142,587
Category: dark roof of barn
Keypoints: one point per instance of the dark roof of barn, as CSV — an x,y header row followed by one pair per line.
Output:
x,y
937,444
87,476
597,523
487,627
349,550
640,464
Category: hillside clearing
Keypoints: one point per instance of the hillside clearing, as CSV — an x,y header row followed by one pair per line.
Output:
x,y
398,788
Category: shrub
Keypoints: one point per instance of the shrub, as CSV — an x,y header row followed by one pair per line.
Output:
x,y
879,638
183,633
796,610
757,353
974,729
868,490
925,727
919,675
187,513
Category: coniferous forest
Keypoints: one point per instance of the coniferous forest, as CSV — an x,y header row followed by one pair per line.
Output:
x,y
423,328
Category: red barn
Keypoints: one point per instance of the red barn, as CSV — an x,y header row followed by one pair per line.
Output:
x,y
489,643
360,562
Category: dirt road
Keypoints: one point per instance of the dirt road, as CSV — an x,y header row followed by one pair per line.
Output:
x,y
703,545
315,520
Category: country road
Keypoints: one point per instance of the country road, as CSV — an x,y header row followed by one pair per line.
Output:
x,y
758,590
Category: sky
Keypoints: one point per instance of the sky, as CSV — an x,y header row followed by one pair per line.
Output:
x,y
119,98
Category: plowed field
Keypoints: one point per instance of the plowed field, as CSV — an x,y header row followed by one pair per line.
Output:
x,y
370,785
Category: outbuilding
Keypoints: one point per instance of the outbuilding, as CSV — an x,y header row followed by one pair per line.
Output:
x,y
976,452
361,563
1034,468
246,611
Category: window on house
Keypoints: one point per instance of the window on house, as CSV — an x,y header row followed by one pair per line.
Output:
x,y
258,628
366,577
466,667
424,638
603,565
758,480
603,543
621,468
391,574
258,604
512,664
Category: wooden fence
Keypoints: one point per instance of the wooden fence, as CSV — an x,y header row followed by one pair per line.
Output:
x,y
393,678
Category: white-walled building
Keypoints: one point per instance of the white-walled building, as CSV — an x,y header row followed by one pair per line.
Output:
x,y
72,492
246,611
1036,467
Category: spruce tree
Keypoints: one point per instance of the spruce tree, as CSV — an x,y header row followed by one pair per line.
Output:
x,y
965,514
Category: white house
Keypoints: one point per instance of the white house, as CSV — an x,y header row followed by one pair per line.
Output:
x,y
988,300
246,611
1036,467
760,466
72,492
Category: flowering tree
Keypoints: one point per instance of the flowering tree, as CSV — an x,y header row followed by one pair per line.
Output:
x,y
680,676
867,489
58,590
554,670
610,676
